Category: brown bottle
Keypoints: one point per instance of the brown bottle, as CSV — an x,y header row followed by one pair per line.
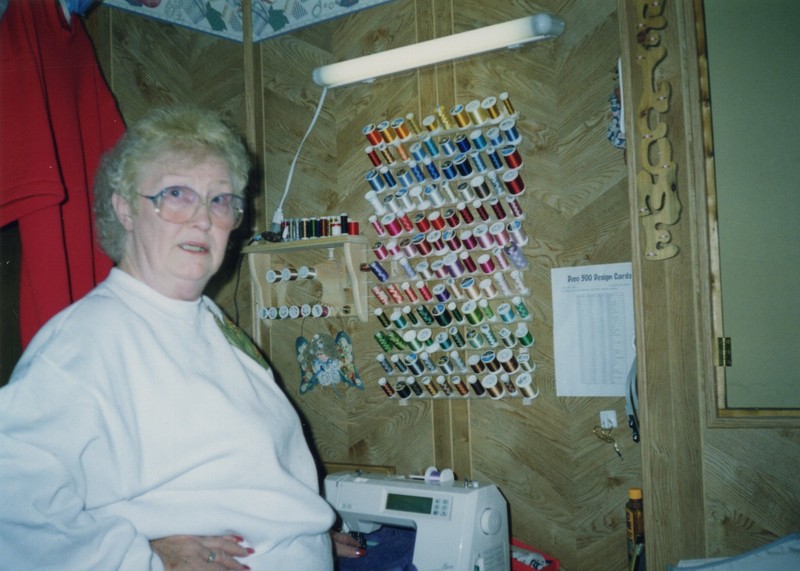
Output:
x,y
634,520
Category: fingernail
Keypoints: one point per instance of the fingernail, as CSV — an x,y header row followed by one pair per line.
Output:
x,y
361,552
238,538
250,550
247,568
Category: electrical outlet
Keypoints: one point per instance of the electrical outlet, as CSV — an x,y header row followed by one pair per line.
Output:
x,y
608,419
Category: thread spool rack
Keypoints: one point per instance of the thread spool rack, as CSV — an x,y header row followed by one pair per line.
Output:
x,y
448,261
339,276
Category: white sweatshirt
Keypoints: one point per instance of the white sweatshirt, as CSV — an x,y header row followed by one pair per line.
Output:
x,y
130,418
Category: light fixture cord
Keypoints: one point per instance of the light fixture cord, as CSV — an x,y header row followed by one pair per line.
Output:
x,y
279,211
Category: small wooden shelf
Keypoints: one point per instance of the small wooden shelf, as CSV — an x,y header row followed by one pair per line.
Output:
x,y
334,282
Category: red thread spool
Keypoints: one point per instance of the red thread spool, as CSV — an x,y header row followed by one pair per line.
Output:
x,y
405,221
513,204
469,263
409,291
392,247
394,293
423,246
372,134
499,213
466,213
421,222
381,294
435,239
513,182
452,240
373,156
451,217
511,156
380,251
424,290
481,210
486,263
468,239
392,224
436,220
379,229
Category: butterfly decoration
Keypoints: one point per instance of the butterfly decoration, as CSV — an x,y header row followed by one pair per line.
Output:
x,y
326,361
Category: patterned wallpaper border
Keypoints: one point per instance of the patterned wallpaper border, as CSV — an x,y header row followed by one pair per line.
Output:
x,y
224,17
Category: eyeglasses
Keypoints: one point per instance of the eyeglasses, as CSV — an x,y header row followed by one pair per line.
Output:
x,y
179,204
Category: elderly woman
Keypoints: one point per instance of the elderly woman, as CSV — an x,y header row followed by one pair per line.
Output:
x,y
133,434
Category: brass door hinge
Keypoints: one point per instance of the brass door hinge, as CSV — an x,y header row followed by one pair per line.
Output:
x,y
724,355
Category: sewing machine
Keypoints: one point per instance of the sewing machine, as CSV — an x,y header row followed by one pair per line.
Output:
x,y
460,525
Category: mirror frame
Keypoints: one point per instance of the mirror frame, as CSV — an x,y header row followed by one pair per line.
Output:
x,y
719,414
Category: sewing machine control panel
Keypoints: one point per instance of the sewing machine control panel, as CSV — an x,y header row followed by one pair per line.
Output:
x,y
429,505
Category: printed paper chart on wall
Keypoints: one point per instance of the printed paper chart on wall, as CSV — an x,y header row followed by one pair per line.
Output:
x,y
593,329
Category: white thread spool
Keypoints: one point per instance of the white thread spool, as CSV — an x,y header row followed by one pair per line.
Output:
x,y
377,204
434,476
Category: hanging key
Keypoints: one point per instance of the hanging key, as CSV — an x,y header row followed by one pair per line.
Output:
x,y
604,434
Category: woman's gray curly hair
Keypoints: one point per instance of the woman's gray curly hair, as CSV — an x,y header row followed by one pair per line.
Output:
x,y
188,130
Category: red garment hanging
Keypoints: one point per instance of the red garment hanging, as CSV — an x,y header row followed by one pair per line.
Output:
x,y
57,117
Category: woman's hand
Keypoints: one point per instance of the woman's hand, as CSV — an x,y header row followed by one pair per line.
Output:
x,y
200,553
345,545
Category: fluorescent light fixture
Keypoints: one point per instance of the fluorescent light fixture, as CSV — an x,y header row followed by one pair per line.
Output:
x,y
511,34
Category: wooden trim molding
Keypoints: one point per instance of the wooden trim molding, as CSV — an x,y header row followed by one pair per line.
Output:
x,y
658,201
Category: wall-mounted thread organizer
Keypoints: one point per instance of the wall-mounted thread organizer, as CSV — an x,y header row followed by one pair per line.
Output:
x,y
343,290
448,258
318,227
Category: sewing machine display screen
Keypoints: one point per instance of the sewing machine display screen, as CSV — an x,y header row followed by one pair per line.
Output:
x,y
417,504
413,504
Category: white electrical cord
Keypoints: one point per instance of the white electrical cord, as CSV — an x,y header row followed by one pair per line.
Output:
x,y
278,217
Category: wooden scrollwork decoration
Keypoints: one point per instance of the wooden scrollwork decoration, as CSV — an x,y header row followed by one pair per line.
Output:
x,y
659,205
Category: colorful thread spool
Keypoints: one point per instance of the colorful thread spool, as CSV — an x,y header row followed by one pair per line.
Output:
x,y
487,310
524,383
513,182
476,385
472,312
444,385
524,336
516,256
493,386
507,103
465,212
387,388
520,306
457,338
509,130
506,313
511,156
505,379
402,390
476,112
489,105
517,233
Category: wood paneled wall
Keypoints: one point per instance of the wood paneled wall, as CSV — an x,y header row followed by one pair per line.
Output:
x,y
565,487
710,489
